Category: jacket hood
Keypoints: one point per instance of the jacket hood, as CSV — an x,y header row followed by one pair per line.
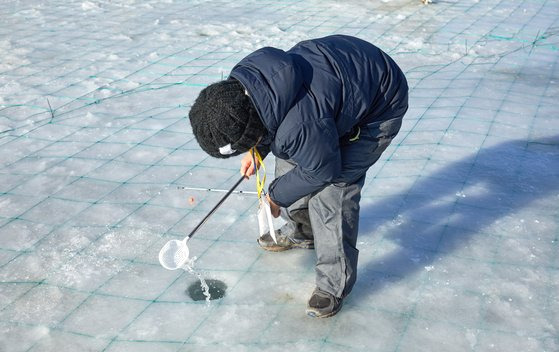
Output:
x,y
272,80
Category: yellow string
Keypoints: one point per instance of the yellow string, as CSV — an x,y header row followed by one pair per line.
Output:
x,y
260,183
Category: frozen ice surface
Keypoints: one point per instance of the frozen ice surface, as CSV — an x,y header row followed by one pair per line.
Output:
x,y
99,168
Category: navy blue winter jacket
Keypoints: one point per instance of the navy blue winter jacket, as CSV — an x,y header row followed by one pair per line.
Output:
x,y
311,96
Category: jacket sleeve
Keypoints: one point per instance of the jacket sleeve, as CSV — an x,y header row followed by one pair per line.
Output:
x,y
263,146
314,147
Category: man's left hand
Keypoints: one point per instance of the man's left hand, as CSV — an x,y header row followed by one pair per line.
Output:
x,y
273,207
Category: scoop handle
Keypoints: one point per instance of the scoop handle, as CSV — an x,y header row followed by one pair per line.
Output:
x,y
214,208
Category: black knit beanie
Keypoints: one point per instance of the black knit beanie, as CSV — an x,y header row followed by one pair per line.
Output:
x,y
224,120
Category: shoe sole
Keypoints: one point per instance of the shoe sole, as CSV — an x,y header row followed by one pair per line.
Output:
x,y
276,248
283,248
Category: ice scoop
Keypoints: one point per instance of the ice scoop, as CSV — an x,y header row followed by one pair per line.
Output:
x,y
174,254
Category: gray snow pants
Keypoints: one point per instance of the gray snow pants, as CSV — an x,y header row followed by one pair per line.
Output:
x,y
331,215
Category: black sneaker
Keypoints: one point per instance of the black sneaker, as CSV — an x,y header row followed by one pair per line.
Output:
x,y
285,242
323,305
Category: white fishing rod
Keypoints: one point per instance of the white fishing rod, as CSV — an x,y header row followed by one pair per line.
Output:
x,y
214,190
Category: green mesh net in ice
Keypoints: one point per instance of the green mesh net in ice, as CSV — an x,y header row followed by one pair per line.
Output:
x,y
99,168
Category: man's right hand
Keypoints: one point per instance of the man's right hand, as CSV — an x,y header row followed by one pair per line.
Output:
x,y
247,165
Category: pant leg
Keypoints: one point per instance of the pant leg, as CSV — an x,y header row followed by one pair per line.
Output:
x,y
334,214
296,215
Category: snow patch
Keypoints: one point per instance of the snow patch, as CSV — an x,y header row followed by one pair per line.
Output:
x,y
88,6
39,332
11,57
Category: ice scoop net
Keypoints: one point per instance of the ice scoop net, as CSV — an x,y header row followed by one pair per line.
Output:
x,y
174,254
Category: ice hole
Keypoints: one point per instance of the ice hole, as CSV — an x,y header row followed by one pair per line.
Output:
x,y
216,288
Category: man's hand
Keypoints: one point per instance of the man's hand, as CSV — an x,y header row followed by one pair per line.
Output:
x,y
247,165
273,207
